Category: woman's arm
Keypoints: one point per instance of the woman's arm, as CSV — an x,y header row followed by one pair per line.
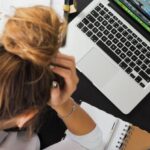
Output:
x,y
76,119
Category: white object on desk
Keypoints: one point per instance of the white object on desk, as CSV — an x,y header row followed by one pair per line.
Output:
x,y
111,138
56,4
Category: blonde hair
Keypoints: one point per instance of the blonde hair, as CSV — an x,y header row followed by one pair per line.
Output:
x,y
30,41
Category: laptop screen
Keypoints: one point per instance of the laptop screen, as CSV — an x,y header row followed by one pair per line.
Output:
x,y
138,10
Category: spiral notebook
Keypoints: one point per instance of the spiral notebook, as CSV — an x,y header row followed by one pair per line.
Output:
x,y
118,134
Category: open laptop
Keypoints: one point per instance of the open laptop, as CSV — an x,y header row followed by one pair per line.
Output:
x,y
111,53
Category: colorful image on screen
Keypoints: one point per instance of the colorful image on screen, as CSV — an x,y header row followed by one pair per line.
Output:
x,y
143,5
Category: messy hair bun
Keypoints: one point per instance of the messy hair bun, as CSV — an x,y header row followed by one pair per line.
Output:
x,y
34,34
30,41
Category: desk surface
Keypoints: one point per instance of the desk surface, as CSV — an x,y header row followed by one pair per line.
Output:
x,y
140,116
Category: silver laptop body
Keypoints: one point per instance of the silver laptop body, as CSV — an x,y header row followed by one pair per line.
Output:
x,y
124,90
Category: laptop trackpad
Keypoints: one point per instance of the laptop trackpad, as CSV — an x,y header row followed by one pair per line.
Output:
x,y
97,67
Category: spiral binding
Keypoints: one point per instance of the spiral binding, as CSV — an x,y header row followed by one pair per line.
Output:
x,y
123,139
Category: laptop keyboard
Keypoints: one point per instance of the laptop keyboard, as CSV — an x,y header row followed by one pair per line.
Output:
x,y
129,51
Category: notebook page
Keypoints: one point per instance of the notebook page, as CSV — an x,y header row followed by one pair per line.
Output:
x,y
104,120
119,135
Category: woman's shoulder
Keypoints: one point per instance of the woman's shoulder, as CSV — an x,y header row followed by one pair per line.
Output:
x,y
8,141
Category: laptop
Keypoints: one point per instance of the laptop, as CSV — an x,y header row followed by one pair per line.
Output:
x,y
111,53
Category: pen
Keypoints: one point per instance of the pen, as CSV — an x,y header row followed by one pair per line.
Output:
x,y
113,129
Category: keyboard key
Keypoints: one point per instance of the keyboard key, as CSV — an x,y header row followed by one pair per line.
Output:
x,y
132,64
108,42
110,36
85,21
106,16
129,30
148,47
130,38
142,57
144,44
100,19
128,70
80,25
120,22
122,55
116,25
94,13
134,35
148,54
128,44
113,31
139,46
124,26
124,49
137,53
104,22
101,28
132,48
143,66
118,35
120,29
118,51
142,85
139,39
123,65
147,61
106,32
90,26
102,12
123,40
115,40
95,30
84,29
110,13
108,52
144,76
97,24
113,47
109,27
129,53
120,45
94,38
148,71
101,5
134,42
111,21
125,33
134,58
89,33
138,79
106,9
91,18
138,62
115,18
132,75
144,50
127,60
99,34
97,8
104,38
137,69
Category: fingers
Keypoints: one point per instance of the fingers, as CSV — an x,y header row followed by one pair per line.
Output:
x,y
64,60
63,56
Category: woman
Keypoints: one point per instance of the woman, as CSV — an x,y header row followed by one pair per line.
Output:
x,y
35,74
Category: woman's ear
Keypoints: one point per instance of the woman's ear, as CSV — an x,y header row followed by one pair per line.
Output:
x,y
23,118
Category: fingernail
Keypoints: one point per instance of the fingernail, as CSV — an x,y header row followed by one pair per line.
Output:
x,y
54,84
52,67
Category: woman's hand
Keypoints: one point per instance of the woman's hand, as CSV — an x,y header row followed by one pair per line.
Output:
x,y
66,68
